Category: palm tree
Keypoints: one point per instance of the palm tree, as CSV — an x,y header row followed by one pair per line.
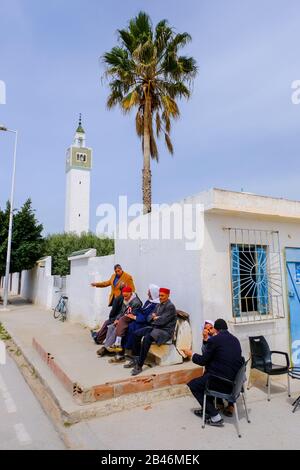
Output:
x,y
146,72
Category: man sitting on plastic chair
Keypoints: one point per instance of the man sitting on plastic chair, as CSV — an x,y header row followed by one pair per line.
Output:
x,y
222,357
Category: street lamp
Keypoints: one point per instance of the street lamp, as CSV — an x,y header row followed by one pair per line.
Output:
x,y
5,293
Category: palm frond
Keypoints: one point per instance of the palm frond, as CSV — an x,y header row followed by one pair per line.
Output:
x,y
180,40
127,39
158,124
153,146
130,100
141,27
170,106
174,89
166,118
169,143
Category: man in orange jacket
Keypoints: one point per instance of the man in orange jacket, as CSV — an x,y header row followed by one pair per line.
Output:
x,y
118,280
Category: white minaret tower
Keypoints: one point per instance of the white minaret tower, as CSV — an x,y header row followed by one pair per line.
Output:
x,y
78,172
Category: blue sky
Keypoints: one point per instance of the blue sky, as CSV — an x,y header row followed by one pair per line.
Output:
x,y
239,129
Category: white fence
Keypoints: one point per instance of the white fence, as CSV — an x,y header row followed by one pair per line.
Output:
x,y
86,305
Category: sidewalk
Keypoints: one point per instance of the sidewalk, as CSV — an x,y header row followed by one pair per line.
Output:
x,y
64,357
149,419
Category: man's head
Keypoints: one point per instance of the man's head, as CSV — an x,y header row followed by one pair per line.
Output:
x,y
209,328
118,269
164,294
126,292
220,325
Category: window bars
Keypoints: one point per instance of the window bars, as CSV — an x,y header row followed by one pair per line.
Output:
x,y
256,275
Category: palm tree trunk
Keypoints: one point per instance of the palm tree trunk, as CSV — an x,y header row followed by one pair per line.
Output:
x,y
146,169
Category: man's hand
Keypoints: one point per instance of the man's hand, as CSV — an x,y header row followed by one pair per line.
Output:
x,y
130,315
116,322
154,316
205,334
187,352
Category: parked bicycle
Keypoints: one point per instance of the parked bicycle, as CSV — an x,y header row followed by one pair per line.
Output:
x,y
60,311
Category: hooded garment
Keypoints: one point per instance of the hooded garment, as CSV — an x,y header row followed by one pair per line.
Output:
x,y
210,322
154,290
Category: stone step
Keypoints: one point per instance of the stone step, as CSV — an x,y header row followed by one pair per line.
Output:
x,y
116,388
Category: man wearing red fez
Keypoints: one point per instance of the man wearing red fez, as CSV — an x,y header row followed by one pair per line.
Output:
x,y
161,329
131,305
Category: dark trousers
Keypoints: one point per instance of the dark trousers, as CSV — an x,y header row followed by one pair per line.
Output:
x,y
197,387
115,310
122,326
140,348
101,335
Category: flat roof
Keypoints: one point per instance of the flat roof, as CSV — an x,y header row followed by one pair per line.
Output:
x,y
217,200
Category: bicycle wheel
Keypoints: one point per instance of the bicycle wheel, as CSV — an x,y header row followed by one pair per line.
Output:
x,y
63,312
57,311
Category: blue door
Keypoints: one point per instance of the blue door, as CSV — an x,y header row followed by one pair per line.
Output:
x,y
293,282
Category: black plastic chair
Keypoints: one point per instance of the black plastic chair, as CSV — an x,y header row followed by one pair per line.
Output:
x,y
237,389
261,359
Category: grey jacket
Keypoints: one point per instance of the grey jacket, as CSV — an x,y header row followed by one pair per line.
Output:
x,y
164,326
135,305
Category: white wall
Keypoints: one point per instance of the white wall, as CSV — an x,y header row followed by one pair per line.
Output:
x,y
216,275
27,280
167,264
89,305
15,283
37,285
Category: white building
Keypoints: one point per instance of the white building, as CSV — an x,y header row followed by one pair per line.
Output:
x,y
246,270
78,169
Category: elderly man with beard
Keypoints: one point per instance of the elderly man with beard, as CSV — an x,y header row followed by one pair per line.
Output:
x,y
161,329
131,305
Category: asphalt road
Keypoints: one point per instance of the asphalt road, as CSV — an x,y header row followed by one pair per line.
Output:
x,y
23,423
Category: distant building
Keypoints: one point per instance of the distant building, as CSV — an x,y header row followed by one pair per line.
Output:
x,y
78,171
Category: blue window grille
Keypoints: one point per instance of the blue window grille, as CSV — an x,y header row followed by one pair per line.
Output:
x,y
255,275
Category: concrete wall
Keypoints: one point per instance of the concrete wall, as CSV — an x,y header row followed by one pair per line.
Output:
x,y
88,305
14,283
167,264
37,285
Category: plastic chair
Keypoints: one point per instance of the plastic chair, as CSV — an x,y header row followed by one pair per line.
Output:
x,y
237,389
261,359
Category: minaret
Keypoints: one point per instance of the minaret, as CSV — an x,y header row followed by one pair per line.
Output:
x,y
78,172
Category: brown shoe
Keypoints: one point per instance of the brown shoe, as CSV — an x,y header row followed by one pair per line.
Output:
x,y
102,351
228,411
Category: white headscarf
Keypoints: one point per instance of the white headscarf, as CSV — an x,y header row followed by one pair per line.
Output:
x,y
154,291
210,322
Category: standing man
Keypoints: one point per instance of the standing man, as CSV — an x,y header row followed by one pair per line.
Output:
x,y
222,357
119,279
161,329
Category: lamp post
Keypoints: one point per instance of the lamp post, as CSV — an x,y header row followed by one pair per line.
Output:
x,y
5,293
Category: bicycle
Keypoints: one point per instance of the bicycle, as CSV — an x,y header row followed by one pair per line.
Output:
x,y
60,311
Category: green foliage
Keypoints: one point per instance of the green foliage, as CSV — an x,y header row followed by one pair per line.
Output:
x,y
4,336
147,72
61,245
27,241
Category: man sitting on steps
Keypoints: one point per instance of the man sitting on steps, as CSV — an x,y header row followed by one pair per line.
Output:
x,y
161,330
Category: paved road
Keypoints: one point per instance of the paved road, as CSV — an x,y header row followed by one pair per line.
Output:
x,y
172,425
23,423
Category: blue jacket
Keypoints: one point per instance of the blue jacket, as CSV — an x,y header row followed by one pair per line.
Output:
x,y
141,321
222,355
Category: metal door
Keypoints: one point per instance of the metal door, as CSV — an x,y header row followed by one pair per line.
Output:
x,y
293,283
